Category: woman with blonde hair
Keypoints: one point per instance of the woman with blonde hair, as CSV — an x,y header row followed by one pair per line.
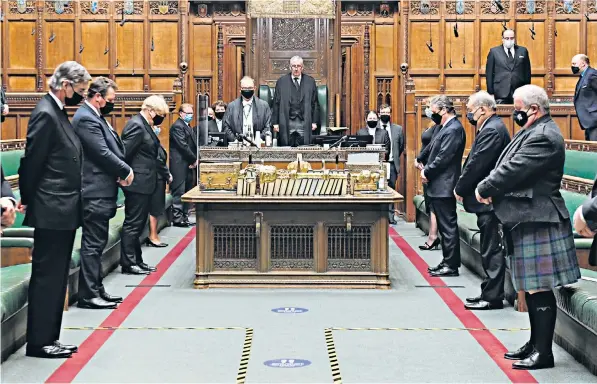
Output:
x,y
141,152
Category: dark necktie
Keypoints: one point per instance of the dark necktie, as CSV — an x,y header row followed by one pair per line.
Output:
x,y
385,127
510,55
296,83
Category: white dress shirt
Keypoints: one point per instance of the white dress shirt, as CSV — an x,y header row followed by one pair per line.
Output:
x,y
57,100
372,133
509,52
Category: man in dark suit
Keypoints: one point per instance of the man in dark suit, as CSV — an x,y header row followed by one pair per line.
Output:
x,y
396,136
442,159
585,222
585,96
183,162
8,203
508,67
216,125
103,165
247,114
50,185
295,111
491,139
141,152
524,188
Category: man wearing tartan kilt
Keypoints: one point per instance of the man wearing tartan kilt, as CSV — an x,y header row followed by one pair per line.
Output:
x,y
524,190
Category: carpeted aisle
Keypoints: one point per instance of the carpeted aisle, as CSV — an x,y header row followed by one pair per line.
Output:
x,y
171,333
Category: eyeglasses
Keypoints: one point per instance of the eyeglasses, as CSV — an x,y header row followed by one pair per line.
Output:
x,y
296,66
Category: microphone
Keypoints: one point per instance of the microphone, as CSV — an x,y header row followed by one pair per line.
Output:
x,y
245,138
498,4
339,141
430,46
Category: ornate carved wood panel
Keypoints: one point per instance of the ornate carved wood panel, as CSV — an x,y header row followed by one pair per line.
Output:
x,y
277,40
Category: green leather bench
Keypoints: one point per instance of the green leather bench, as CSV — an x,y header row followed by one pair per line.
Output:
x,y
14,284
267,93
581,164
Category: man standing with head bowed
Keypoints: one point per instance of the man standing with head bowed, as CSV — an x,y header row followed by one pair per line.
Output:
x,y
491,139
585,96
396,136
103,166
508,67
50,185
295,112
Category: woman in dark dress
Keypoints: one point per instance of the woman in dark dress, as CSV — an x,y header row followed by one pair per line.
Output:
x,y
426,137
158,199
524,188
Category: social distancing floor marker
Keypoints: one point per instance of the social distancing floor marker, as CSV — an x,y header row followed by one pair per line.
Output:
x,y
244,359
332,356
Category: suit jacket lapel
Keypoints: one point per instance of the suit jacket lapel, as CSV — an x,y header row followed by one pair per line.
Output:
x,y
152,134
254,114
65,124
581,82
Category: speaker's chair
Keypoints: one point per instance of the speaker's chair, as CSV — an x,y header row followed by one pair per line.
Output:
x,y
267,93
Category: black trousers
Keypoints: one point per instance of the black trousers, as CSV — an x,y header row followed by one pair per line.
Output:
x,y
47,288
393,179
180,210
591,134
96,224
296,133
447,226
136,211
492,257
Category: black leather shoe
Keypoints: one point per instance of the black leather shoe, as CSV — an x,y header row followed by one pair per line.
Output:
x,y
445,271
48,352
68,347
95,303
392,222
535,360
473,299
436,268
134,270
146,267
482,305
110,298
181,224
521,353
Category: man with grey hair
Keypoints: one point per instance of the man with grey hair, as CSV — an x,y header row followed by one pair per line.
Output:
x,y
524,188
103,165
442,160
491,139
585,96
247,114
50,185
295,110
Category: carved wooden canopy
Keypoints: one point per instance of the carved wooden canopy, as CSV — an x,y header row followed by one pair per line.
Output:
x,y
315,9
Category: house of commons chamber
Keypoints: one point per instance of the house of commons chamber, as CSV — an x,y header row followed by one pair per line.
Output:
x,y
298,191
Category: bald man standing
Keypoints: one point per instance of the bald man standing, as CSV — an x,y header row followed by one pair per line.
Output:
x,y
585,96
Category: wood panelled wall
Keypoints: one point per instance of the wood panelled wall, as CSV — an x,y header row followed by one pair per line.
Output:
x,y
552,30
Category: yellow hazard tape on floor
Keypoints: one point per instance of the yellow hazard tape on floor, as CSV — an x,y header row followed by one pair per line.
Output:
x,y
329,341
431,329
244,360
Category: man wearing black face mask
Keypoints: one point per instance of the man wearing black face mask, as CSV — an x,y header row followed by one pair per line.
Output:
x,y
491,139
380,136
103,166
141,153
524,189
216,125
442,159
585,96
50,185
247,114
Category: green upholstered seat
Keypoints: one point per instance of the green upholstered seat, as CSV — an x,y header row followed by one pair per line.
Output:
x,y
267,93
580,301
14,283
11,161
581,164
16,242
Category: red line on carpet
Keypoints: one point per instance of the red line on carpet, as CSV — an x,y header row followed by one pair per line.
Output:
x,y
67,372
494,348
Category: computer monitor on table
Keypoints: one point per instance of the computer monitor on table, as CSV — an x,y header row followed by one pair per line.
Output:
x,y
218,139
325,139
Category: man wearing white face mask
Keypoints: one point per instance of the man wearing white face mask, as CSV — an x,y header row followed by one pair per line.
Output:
x,y
508,67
